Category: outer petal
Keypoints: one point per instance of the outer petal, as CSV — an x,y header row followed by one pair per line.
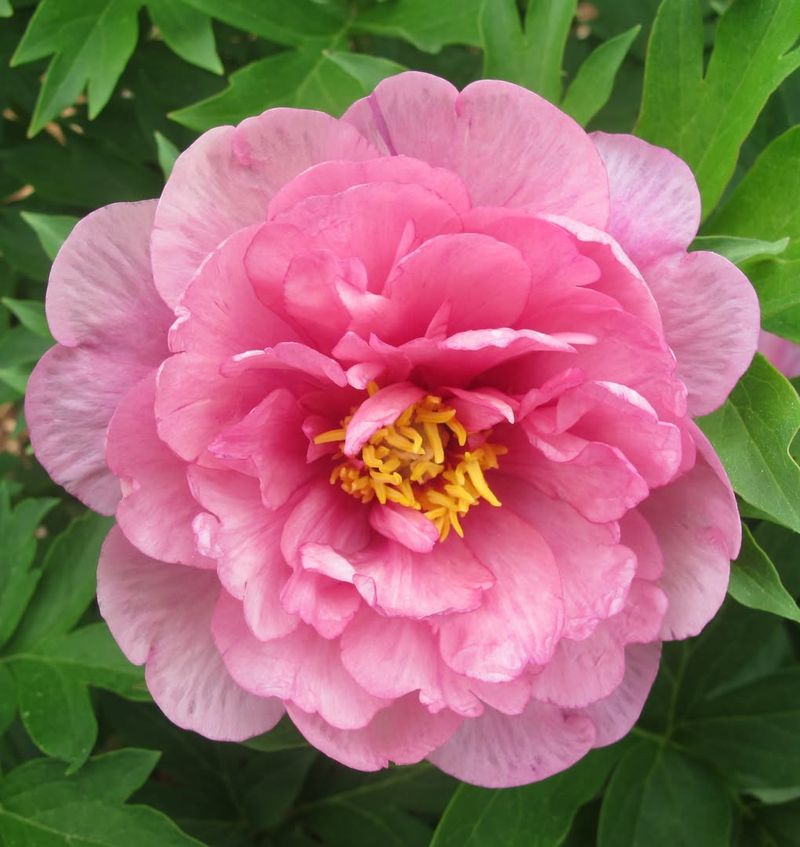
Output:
x,y
782,353
614,716
511,147
160,615
403,733
498,751
655,204
711,321
157,508
225,180
101,295
697,525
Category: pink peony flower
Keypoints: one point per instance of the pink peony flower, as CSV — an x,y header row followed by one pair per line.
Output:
x,y
394,412
782,353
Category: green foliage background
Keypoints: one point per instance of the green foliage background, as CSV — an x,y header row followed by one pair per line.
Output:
x,y
97,98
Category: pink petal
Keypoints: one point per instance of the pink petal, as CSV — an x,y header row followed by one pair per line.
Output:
x,y
101,287
270,436
711,321
225,180
511,147
404,526
379,410
157,508
246,540
301,667
655,204
454,269
640,622
582,672
498,751
160,614
614,715
287,356
404,733
521,616
782,353
697,525
639,536
399,582
595,569
320,601
335,177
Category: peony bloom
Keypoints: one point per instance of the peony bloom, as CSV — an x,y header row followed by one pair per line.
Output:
x,y
782,353
395,415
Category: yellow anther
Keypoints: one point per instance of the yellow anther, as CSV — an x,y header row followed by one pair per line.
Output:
x,y
416,464
372,387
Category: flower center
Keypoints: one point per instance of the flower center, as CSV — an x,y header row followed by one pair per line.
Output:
x,y
421,461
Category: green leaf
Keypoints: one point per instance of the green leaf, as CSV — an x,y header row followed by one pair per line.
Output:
x,y
740,250
659,798
764,205
56,710
8,698
41,784
68,583
428,26
755,582
751,433
752,733
305,79
30,313
282,737
706,118
536,815
291,24
591,88
532,56
51,230
6,11
17,579
187,31
92,41
167,154
20,346
346,825
20,247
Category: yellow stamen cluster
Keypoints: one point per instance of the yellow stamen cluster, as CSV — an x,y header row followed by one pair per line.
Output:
x,y
419,462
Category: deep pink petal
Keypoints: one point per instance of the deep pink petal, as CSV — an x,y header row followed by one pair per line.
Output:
x,y
404,526
511,147
655,204
225,180
521,616
381,409
498,751
160,615
711,321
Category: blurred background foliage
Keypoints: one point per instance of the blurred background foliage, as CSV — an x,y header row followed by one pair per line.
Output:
x,y
97,99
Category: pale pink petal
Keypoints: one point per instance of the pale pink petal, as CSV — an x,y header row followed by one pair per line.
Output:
x,y
613,716
711,321
271,438
782,353
521,616
404,526
397,581
320,601
581,672
641,620
498,751
245,539
157,508
225,180
160,615
302,667
697,525
639,536
403,733
655,204
511,147
482,408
